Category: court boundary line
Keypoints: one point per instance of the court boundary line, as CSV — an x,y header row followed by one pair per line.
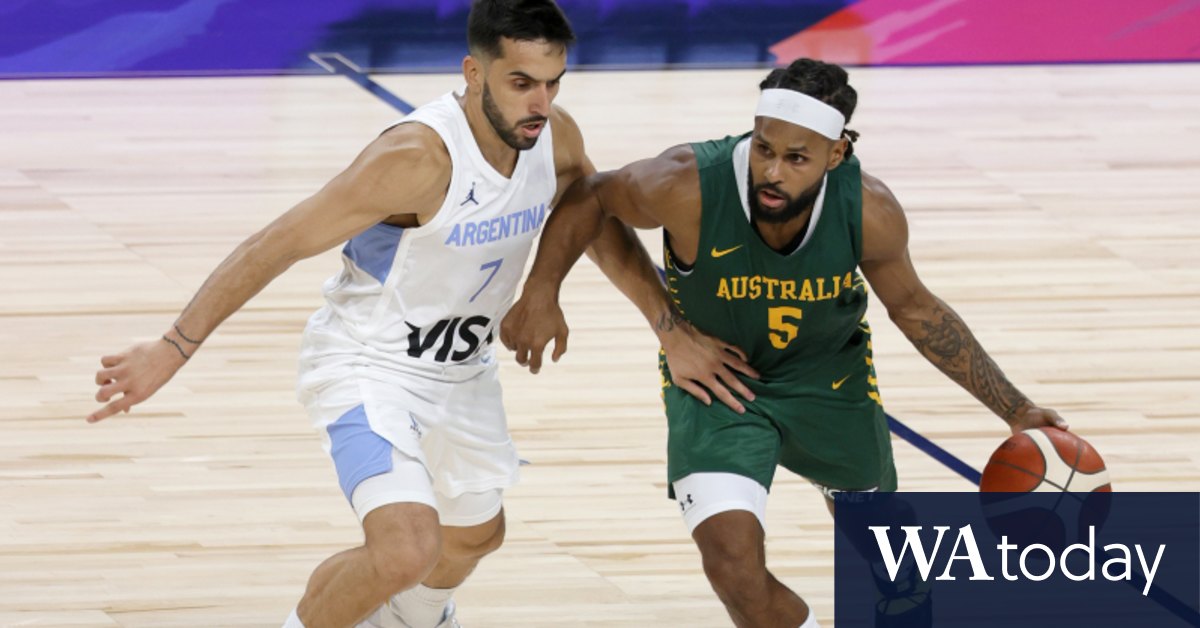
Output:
x,y
335,63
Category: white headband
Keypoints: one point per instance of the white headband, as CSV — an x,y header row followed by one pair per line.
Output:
x,y
803,110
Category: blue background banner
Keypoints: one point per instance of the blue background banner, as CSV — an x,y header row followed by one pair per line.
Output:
x,y
1084,534
81,37
57,38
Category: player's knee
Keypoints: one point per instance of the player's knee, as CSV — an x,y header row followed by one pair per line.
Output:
x,y
733,561
735,579
476,542
402,563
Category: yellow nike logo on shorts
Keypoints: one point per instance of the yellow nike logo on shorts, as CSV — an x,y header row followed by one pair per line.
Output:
x,y
838,384
716,253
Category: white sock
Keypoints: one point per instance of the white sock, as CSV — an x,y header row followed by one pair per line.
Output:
x,y
293,621
811,622
420,606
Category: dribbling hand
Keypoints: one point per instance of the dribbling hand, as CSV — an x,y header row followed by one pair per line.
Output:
x,y
1031,417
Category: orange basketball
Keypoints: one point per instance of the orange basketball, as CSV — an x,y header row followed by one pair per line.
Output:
x,y
1045,459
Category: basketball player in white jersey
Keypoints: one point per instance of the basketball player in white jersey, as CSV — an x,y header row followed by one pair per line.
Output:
x,y
397,370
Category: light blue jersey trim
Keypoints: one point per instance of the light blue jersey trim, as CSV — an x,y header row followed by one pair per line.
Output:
x,y
358,452
374,250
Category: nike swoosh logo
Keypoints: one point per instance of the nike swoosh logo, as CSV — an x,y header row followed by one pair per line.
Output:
x,y
716,253
838,384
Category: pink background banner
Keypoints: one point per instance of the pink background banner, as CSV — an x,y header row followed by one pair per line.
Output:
x,y
918,32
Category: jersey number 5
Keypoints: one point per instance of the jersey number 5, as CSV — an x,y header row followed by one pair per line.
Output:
x,y
782,332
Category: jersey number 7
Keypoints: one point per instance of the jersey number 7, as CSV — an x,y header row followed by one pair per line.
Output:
x,y
495,266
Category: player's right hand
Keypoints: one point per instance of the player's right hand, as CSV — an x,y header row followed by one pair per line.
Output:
x,y
530,325
135,374
1031,417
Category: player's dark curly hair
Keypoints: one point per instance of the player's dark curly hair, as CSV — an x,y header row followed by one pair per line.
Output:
x,y
522,20
826,82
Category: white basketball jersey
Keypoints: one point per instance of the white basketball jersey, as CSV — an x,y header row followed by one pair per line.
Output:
x,y
435,294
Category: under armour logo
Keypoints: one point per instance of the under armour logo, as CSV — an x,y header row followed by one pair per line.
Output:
x,y
416,429
686,503
470,196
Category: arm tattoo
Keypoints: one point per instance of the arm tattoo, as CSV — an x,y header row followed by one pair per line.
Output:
x,y
177,347
944,339
670,320
182,335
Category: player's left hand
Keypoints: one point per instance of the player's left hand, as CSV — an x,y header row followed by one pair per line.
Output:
x,y
531,324
1032,417
701,364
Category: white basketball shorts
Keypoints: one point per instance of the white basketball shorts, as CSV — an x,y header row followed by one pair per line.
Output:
x,y
433,435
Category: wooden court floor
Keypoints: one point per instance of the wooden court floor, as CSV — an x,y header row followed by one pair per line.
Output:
x,y
1056,208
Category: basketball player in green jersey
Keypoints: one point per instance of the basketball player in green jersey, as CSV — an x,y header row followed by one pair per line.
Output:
x,y
765,237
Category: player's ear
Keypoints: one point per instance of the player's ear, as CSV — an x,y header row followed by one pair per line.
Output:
x,y
838,154
473,73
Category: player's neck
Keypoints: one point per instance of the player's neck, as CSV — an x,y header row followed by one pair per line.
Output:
x,y
783,236
501,156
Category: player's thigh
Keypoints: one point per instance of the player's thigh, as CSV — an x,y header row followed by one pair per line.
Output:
x,y
405,481
472,510
704,496
399,514
837,446
469,450
715,439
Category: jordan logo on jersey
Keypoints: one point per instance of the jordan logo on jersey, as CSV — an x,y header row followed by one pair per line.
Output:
x,y
448,331
470,196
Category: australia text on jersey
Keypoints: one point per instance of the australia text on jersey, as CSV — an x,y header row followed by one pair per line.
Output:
x,y
757,286
498,228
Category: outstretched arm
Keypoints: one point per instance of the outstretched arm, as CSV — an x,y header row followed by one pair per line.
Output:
x,y
593,214
574,225
535,321
699,364
598,211
930,324
406,163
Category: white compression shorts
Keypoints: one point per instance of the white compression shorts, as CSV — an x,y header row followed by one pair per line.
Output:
x,y
408,482
702,495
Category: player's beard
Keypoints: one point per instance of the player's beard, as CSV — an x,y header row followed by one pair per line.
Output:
x,y
507,132
793,207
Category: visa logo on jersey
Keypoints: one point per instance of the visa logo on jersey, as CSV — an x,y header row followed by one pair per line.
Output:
x,y
449,332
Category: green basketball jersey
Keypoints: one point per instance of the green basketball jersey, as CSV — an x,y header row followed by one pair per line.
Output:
x,y
798,316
